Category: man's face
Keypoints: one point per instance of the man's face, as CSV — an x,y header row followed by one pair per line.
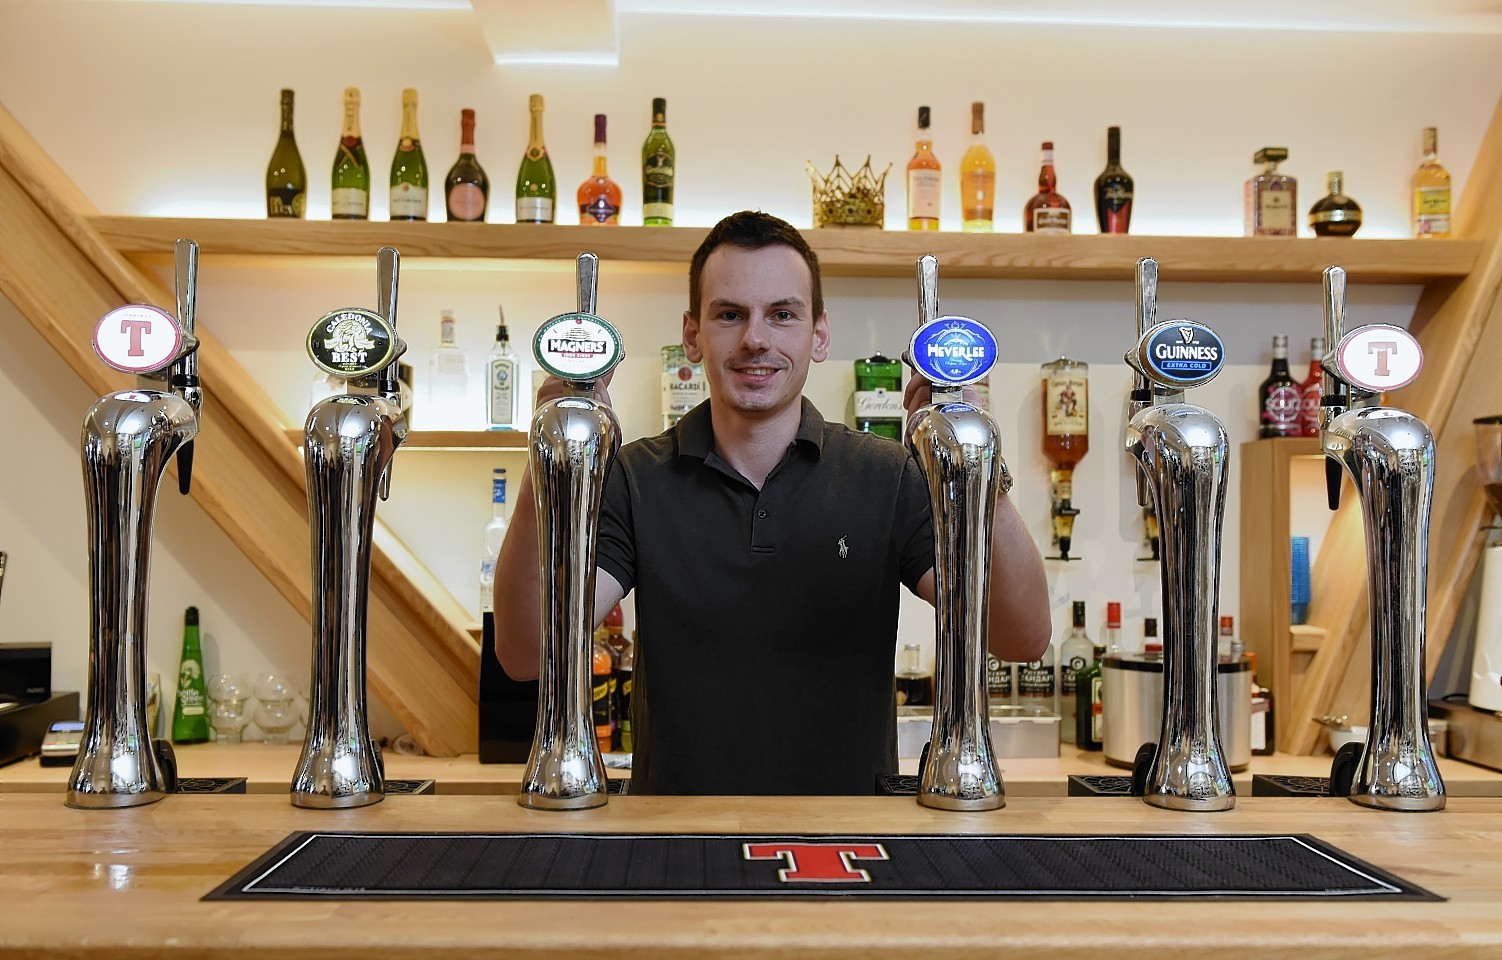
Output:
x,y
756,333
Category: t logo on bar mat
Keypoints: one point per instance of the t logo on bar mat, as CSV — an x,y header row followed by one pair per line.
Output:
x,y
817,862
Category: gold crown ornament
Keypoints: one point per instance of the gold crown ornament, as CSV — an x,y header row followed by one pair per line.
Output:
x,y
843,199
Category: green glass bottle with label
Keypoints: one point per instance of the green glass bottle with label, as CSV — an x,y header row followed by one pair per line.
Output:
x,y
536,187
878,397
658,170
409,169
190,715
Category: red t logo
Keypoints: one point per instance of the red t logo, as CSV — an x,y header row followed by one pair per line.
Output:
x,y
817,862
136,328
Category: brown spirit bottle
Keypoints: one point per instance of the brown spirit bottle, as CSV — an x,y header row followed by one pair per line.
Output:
x,y
1066,438
599,196
1335,215
1047,211
925,184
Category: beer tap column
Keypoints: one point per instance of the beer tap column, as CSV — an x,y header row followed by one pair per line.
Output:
x,y
349,441
1389,456
1181,452
128,439
573,440
955,443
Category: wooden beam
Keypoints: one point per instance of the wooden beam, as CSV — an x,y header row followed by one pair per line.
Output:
x,y
248,476
1460,327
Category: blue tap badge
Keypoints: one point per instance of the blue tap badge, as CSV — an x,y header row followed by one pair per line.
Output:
x,y
953,351
1180,353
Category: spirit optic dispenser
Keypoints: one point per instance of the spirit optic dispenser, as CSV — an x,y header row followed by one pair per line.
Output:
x,y
128,439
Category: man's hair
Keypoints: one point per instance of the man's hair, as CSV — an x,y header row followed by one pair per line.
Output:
x,y
753,230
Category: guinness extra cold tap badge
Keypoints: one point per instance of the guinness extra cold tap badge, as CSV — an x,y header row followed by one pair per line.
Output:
x,y
353,343
953,351
1180,354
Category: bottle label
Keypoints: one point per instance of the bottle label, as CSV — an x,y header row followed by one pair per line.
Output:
x,y
502,395
1051,220
284,202
189,700
1069,676
1097,712
1281,407
998,677
534,210
349,202
1115,206
487,582
599,210
657,174
466,202
409,201
1068,411
924,188
1035,679
682,390
1309,411
1431,210
1275,215
657,211
878,404
979,195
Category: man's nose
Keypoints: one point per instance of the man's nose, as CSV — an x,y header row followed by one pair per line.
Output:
x,y
755,336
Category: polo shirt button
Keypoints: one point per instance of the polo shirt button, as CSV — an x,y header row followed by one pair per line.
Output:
x,y
762,514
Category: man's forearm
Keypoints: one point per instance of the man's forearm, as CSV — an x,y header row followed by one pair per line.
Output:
x,y
517,605
1019,628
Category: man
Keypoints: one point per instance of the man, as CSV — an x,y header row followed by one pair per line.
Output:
x,y
766,547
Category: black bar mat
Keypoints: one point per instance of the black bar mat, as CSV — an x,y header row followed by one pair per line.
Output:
x,y
348,866
1092,785
1277,785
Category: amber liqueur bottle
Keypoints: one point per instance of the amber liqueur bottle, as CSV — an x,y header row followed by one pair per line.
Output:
x,y
1113,189
599,197
1047,211
1066,438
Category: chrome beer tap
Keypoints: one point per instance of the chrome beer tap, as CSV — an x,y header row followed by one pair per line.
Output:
x,y
349,442
128,438
573,439
1389,455
1181,451
956,445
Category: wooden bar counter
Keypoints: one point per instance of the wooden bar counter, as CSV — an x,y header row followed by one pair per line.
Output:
x,y
127,883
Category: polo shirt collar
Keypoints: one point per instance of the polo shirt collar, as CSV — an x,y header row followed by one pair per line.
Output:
x,y
694,433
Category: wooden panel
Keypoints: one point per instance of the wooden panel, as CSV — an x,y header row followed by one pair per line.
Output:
x,y
843,253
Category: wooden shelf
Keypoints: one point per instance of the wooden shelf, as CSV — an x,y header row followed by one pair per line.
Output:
x,y
843,253
450,440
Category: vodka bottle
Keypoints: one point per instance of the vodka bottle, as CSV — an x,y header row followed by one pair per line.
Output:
x,y
448,380
495,535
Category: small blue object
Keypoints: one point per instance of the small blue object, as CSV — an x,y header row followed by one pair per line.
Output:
x,y
1299,585
953,351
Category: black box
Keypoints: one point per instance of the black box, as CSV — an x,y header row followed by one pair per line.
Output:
x,y
25,672
23,726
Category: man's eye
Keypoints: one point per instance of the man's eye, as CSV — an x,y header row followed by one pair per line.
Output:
x,y
729,315
782,316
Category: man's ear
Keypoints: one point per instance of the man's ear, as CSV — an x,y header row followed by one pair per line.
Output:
x,y
821,338
691,339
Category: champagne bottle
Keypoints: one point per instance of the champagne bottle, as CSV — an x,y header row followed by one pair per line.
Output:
x,y
350,194
466,189
658,166
286,181
409,171
536,190
190,714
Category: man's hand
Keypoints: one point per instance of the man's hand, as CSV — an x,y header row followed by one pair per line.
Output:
x,y
919,393
555,387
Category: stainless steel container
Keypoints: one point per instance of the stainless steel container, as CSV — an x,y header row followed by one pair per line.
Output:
x,y
1132,696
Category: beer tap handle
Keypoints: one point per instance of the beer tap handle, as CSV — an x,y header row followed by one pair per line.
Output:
x,y
587,274
1141,396
183,379
928,288
1336,392
388,274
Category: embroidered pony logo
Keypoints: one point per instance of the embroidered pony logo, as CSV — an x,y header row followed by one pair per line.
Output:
x,y
844,548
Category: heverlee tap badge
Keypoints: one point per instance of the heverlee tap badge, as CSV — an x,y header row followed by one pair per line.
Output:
x,y
352,343
1181,353
577,346
953,351
137,338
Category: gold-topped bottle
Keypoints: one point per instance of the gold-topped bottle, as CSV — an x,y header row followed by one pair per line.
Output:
x,y
349,194
1431,192
978,176
409,169
1335,215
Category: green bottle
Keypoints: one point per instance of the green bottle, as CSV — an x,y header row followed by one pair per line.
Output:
x,y
657,164
878,397
1088,734
190,715
536,190
349,196
286,181
409,171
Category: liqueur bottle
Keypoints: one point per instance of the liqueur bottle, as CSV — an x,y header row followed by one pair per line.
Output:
x,y
448,379
978,176
493,536
536,189
1076,654
286,181
924,181
658,169
501,394
1066,438
878,397
1113,189
1271,198
190,714
1047,211
1431,192
349,194
409,171
1282,399
1335,214
915,687
599,196
466,190
684,385
1312,389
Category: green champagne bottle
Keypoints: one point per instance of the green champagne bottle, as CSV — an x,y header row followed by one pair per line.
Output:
x,y
350,189
657,164
536,189
286,181
190,714
466,189
878,397
409,171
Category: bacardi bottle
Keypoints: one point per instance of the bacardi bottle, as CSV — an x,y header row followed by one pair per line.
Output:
x,y
683,384
1282,398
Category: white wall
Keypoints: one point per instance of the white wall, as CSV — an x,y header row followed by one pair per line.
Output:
x,y
171,109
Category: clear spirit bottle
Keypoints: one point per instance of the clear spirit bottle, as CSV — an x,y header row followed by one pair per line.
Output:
x,y
493,536
684,385
502,408
1076,654
1271,197
448,380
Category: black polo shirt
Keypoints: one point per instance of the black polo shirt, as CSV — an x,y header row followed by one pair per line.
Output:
x,y
767,618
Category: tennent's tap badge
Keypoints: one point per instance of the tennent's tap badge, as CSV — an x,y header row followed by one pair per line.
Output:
x,y
1378,357
138,338
578,346
353,343
953,351
1179,354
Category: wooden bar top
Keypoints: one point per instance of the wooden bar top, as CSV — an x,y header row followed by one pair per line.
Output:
x,y
127,883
